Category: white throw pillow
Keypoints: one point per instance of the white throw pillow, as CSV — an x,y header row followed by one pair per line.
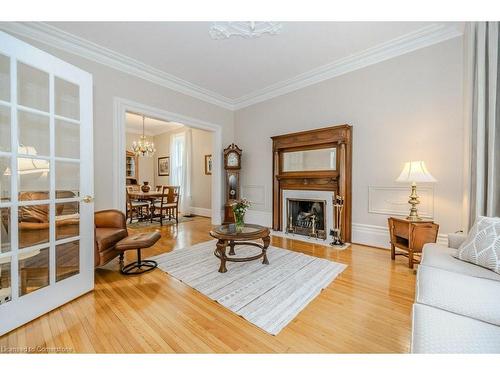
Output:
x,y
482,246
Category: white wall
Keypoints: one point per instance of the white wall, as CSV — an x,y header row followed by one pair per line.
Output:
x,y
110,83
406,108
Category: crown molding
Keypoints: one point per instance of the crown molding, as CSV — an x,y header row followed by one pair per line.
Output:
x,y
65,41
55,37
424,37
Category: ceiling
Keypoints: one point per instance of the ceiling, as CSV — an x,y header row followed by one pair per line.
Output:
x,y
236,72
236,67
152,127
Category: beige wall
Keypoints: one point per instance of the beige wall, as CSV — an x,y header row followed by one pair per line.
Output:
x,y
409,107
109,83
146,164
162,145
406,108
201,184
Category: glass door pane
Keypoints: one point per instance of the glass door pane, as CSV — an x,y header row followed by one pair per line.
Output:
x,y
67,99
5,175
4,128
33,133
67,139
5,245
5,282
33,270
32,87
4,78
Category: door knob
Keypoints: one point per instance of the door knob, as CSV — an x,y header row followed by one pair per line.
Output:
x,y
88,198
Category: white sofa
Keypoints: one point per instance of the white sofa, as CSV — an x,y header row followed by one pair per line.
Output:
x,y
457,304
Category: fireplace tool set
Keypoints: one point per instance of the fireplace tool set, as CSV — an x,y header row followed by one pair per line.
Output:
x,y
336,232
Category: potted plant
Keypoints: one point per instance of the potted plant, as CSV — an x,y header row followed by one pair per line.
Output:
x,y
239,209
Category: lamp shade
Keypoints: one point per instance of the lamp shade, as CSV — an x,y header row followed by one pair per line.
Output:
x,y
29,165
415,171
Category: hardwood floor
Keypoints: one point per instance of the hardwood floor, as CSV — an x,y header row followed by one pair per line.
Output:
x,y
366,309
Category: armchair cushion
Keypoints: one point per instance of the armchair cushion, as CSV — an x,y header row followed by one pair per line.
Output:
x,y
460,294
110,219
456,239
108,237
110,228
438,331
439,256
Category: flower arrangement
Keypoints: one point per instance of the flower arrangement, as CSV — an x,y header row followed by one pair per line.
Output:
x,y
240,207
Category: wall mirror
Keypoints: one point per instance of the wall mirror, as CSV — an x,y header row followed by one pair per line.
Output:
x,y
322,159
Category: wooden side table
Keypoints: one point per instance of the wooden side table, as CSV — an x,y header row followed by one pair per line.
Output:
x,y
410,236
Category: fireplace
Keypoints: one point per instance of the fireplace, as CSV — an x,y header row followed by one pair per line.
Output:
x,y
313,164
306,217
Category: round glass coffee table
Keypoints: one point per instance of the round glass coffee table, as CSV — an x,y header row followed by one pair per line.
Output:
x,y
227,236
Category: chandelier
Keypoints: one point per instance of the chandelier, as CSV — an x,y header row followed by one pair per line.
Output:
x,y
251,29
143,147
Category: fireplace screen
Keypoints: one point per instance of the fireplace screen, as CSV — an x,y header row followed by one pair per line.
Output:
x,y
306,217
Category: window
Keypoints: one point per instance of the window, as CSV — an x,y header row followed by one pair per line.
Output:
x,y
178,145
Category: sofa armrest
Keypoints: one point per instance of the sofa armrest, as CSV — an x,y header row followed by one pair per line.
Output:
x,y
110,219
456,239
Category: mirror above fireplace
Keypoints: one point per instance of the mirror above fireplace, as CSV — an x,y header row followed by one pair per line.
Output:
x,y
322,159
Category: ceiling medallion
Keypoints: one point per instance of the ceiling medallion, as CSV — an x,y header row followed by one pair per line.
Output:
x,y
250,29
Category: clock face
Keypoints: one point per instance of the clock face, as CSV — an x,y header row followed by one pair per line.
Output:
x,y
232,159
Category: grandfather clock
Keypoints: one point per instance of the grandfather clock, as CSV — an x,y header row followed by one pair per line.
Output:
x,y
232,165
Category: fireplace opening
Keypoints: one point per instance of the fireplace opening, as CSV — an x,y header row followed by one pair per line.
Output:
x,y
306,217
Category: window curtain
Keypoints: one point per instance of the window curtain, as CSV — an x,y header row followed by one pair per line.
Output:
x,y
181,167
483,119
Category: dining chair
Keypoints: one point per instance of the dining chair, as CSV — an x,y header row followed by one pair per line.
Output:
x,y
173,202
168,205
135,206
158,189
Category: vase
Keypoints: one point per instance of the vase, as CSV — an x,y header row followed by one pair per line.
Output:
x,y
239,220
145,188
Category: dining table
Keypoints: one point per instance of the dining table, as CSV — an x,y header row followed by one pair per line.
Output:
x,y
151,196
140,195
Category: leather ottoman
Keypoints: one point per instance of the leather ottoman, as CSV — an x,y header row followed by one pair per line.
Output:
x,y
137,242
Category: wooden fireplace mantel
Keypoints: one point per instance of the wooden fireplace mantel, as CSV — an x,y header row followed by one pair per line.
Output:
x,y
338,181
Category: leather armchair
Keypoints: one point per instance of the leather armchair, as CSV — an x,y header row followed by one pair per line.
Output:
x,y
34,219
110,227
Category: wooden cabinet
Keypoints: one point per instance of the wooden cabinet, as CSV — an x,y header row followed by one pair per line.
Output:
x,y
410,237
131,168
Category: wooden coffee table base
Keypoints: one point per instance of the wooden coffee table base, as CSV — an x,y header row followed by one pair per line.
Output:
x,y
222,245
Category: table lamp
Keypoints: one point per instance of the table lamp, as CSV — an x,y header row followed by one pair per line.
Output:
x,y
413,172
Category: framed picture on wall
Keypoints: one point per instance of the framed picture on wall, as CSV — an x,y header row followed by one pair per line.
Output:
x,y
164,166
208,164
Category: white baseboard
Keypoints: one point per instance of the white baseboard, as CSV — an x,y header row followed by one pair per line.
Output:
x,y
263,218
372,235
365,234
200,211
378,236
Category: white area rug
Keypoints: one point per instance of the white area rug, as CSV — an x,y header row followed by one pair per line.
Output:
x,y
269,296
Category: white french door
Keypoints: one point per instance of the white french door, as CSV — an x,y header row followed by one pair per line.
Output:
x,y
46,183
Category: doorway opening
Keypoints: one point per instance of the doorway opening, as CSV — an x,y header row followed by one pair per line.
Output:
x,y
185,154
